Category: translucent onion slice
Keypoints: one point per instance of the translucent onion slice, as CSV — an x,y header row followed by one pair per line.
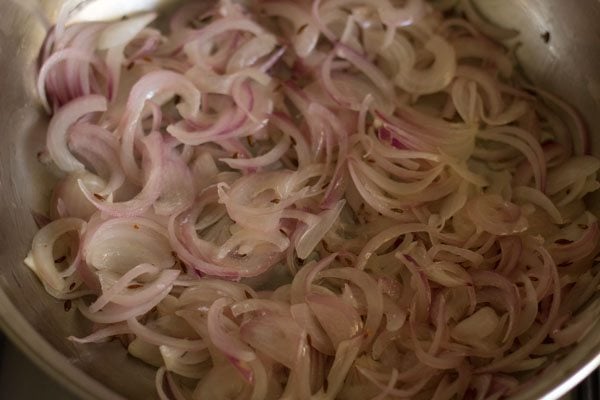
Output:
x,y
60,123
43,263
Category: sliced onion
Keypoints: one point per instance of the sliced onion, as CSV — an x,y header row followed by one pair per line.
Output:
x,y
60,124
69,201
70,54
118,293
344,358
484,26
123,32
372,295
99,148
224,340
309,237
437,76
477,326
269,181
102,334
278,337
305,318
113,313
447,274
120,244
570,171
495,215
147,196
221,382
41,250
156,338
153,84
539,336
115,38
264,160
176,193
338,319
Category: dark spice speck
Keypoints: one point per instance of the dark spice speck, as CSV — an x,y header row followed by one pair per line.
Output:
x,y
545,37
563,241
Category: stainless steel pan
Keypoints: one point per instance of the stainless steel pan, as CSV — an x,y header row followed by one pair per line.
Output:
x,y
568,63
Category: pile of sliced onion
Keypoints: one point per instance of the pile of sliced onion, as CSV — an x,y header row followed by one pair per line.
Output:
x,y
328,199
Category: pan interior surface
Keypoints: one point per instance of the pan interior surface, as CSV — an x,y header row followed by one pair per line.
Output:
x,y
566,64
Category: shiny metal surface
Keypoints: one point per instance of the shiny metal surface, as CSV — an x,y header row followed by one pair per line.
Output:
x,y
568,64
